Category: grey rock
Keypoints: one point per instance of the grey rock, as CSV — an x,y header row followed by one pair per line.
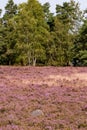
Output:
x,y
37,112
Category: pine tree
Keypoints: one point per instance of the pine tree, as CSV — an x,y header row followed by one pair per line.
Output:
x,y
10,10
67,16
80,47
49,17
8,33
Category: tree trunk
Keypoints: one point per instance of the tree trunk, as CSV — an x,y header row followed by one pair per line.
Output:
x,y
34,61
29,58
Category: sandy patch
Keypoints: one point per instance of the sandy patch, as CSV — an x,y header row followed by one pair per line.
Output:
x,y
80,76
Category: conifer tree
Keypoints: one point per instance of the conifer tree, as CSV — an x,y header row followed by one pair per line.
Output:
x,y
80,47
8,33
67,17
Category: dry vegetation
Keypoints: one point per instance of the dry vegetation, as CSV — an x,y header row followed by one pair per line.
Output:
x,y
57,94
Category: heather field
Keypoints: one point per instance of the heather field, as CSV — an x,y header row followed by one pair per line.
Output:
x,y
43,98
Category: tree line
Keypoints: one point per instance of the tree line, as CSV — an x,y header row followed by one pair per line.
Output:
x,y
30,34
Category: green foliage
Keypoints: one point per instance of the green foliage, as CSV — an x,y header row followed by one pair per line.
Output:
x,y
70,15
10,10
49,17
80,47
31,35
7,33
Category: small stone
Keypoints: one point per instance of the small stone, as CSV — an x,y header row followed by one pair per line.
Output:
x,y
37,112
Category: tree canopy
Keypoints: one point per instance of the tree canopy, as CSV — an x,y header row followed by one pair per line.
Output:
x,y
30,34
